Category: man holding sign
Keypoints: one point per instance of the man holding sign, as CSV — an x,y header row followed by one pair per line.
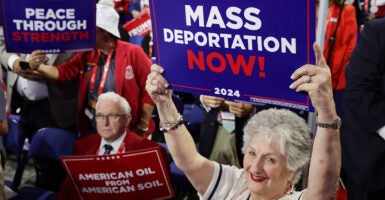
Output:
x,y
115,66
112,117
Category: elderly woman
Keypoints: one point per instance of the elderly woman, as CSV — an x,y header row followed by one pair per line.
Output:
x,y
277,145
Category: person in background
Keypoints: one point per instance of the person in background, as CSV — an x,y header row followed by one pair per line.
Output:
x,y
3,131
277,144
3,119
2,182
3,153
114,66
5,191
137,8
122,6
40,104
113,114
362,131
222,129
340,40
367,10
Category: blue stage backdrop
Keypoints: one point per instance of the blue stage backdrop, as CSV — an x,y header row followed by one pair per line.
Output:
x,y
240,50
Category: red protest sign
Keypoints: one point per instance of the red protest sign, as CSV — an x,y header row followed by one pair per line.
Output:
x,y
132,175
141,26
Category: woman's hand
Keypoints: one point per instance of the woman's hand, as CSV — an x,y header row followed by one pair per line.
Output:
x,y
157,85
316,81
36,58
26,73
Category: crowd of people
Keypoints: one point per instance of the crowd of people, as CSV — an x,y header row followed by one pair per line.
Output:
x,y
107,98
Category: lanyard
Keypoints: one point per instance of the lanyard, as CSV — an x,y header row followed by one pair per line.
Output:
x,y
104,76
121,147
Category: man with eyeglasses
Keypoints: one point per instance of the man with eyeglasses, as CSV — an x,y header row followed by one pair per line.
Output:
x,y
113,114
115,66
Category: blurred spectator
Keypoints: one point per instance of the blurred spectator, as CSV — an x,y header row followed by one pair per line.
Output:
x,y
222,129
363,122
340,40
367,10
137,8
40,104
112,117
115,66
3,131
122,6
2,187
118,4
3,120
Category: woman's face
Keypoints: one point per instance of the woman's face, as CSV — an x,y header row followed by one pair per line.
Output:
x,y
265,168
101,38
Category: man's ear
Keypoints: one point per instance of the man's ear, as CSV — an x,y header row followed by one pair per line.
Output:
x,y
128,119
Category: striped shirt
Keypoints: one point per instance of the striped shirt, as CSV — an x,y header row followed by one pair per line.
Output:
x,y
229,183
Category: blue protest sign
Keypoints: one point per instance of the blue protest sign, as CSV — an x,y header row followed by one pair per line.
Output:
x,y
55,26
239,50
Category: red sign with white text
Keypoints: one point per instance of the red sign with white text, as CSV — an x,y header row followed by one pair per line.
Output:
x,y
132,175
141,26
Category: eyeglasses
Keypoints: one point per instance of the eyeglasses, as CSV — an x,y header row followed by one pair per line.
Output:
x,y
111,117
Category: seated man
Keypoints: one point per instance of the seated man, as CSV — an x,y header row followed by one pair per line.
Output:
x,y
112,117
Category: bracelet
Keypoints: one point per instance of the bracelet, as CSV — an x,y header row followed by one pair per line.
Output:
x,y
143,129
166,127
336,124
144,121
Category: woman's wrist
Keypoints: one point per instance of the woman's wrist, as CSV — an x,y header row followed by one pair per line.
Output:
x,y
334,124
327,116
327,113
171,125
34,66
166,109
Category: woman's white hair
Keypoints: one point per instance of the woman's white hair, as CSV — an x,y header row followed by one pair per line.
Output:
x,y
294,136
112,96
